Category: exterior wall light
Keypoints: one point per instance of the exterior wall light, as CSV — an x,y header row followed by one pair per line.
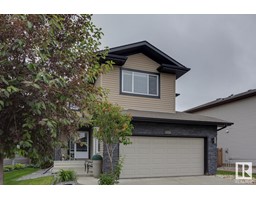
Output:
x,y
214,140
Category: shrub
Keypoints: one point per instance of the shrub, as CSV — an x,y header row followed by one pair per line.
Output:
x,y
33,166
65,175
107,179
8,168
19,166
118,169
42,163
111,179
46,164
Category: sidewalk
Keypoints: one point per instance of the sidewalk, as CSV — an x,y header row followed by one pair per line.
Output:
x,y
87,180
37,174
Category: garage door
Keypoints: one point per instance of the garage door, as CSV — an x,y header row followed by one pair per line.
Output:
x,y
162,156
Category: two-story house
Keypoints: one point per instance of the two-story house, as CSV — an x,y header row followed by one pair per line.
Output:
x,y
164,142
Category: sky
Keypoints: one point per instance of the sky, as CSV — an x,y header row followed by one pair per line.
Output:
x,y
219,49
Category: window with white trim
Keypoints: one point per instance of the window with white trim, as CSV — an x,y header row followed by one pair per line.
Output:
x,y
140,83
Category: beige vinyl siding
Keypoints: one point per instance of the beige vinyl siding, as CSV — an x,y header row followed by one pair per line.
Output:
x,y
141,62
166,102
101,148
98,82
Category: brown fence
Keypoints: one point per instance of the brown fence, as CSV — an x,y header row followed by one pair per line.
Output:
x,y
219,157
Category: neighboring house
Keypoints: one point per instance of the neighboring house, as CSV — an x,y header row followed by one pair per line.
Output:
x,y
164,142
238,141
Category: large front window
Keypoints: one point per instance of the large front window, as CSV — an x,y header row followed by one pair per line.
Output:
x,y
140,83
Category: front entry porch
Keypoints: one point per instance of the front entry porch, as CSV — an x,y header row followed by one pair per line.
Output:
x,y
83,147
76,152
76,165
78,149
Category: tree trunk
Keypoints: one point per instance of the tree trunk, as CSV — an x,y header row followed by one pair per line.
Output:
x,y
1,169
110,157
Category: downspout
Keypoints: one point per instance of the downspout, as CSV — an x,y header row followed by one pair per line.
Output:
x,y
226,150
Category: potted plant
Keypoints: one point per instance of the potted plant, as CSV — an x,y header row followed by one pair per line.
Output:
x,y
97,165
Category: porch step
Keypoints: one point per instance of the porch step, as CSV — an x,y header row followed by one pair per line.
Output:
x,y
69,163
76,165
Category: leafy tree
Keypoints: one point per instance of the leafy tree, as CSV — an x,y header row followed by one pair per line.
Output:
x,y
47,62
114,127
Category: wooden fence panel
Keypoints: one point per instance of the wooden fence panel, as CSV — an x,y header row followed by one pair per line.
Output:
x,y
219,157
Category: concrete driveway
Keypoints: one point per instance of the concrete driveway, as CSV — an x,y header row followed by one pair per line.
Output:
x,y
188,180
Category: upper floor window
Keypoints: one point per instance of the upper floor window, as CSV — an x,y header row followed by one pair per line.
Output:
x,y
140,83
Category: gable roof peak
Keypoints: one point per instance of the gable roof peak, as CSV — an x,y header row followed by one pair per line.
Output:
x,y
167,63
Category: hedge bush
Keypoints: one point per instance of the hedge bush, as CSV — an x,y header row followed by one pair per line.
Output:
x,y
8,168
111,178
46,164
19,166
107,179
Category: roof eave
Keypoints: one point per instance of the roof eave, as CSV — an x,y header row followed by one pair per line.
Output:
x,y
167,63
176,121
172,69
117,59
219,103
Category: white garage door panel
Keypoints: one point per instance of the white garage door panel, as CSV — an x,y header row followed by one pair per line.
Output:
x,y
156,157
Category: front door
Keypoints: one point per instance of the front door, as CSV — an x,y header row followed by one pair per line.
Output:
x,y
81,147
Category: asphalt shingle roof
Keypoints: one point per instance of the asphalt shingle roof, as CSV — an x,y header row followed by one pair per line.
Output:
x,y
221,101
178,117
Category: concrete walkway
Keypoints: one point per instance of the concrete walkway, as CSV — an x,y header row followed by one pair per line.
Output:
x,y
189,180
87,180
37,174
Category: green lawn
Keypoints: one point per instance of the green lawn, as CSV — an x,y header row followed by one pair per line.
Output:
x,y
222,172
10,178
47,180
